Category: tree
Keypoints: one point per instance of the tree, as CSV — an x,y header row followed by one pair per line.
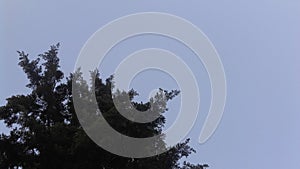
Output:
x,y
46,134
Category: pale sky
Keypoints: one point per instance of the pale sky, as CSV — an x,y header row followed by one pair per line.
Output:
x,y
258,42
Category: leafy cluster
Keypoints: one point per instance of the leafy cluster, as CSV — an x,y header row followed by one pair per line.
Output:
x,y
46,134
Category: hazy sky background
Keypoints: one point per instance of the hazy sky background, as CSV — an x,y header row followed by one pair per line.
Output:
x,y
258,42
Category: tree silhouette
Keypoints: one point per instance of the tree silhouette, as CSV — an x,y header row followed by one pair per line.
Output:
x,y
46,134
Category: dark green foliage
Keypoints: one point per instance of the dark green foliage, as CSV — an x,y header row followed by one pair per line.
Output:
x,y
46,133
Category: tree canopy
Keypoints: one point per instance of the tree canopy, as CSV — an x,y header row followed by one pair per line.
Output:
x,y
46,133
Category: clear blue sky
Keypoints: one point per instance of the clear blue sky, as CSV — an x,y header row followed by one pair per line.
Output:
x,y
258,42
